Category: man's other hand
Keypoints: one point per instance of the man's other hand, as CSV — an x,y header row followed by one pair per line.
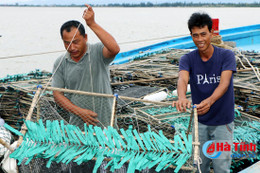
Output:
x,y
181,104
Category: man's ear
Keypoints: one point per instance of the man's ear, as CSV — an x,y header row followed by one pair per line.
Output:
x,y
212,31
86,37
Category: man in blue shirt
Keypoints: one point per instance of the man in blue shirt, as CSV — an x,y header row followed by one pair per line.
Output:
x,y
209,70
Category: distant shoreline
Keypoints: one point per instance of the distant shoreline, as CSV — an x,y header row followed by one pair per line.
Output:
x,y
148,4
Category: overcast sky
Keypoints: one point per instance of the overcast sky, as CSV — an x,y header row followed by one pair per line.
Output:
x,y
40,2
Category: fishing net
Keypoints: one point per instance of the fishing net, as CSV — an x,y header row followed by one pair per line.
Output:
x,y
47,108
126,112
134,131
246,131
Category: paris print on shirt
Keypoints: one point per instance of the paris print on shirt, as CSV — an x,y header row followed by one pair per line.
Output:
x,y
204,79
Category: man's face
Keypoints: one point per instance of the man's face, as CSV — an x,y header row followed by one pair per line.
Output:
x,y
201,37
78,46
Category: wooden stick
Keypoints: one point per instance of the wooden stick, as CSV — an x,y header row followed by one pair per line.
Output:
x,y
29,116
105,95
171,113
243,70
250,116
38,111
148,115
5,144
79,92
113,112
145,101
196,137
143,80
191,116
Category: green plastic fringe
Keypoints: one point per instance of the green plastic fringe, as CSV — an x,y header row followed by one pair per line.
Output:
x,y
65,143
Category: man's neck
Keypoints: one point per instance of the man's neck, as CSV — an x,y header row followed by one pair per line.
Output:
x,y
207,54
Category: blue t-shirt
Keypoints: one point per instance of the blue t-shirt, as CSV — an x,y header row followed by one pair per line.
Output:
x,y
205,78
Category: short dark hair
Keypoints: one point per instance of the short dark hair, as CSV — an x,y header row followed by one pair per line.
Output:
x,y
200,20
70,24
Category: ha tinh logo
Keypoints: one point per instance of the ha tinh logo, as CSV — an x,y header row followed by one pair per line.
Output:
x,y
211,150
214,149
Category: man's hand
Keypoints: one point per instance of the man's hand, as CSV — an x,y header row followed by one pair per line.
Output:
x,y
88,15
181,104
87,116
204,106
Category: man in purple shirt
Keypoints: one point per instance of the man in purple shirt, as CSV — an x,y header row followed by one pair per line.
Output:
x,y
209,70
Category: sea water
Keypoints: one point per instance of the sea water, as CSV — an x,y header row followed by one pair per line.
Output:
x,y
26,31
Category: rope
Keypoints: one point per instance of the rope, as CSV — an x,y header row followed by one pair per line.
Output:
x,y
33,54
62,58
91,79
152,39
255,69
241,62
57,51
55,70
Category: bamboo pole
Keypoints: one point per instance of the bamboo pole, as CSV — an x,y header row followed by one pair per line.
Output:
x,y
5,144
143,80
196,137
171,113
79,92
113,112
191,116
145,101
38,111
148,115
244,70
105,95
29,116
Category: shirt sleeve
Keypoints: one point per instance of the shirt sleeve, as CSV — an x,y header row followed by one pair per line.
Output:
x,y
229,61
57,74
184,63
99,47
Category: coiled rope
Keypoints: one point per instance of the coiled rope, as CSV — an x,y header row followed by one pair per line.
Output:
x,y
255,69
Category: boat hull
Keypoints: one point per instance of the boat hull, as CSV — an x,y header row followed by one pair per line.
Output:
x,y
245,38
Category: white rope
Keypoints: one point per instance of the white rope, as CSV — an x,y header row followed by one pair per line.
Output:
x,y
152,39
91,79
252,67
55,70
199,163
33,54
241,62
92,89
121,43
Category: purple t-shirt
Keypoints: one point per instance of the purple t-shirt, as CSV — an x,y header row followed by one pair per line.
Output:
x,y
205,78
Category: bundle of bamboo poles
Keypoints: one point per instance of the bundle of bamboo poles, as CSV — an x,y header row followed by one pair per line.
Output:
x,y
14,107
155,70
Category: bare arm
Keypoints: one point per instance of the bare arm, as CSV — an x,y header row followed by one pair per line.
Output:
x,y
205,105
182,103
111,48
86,115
